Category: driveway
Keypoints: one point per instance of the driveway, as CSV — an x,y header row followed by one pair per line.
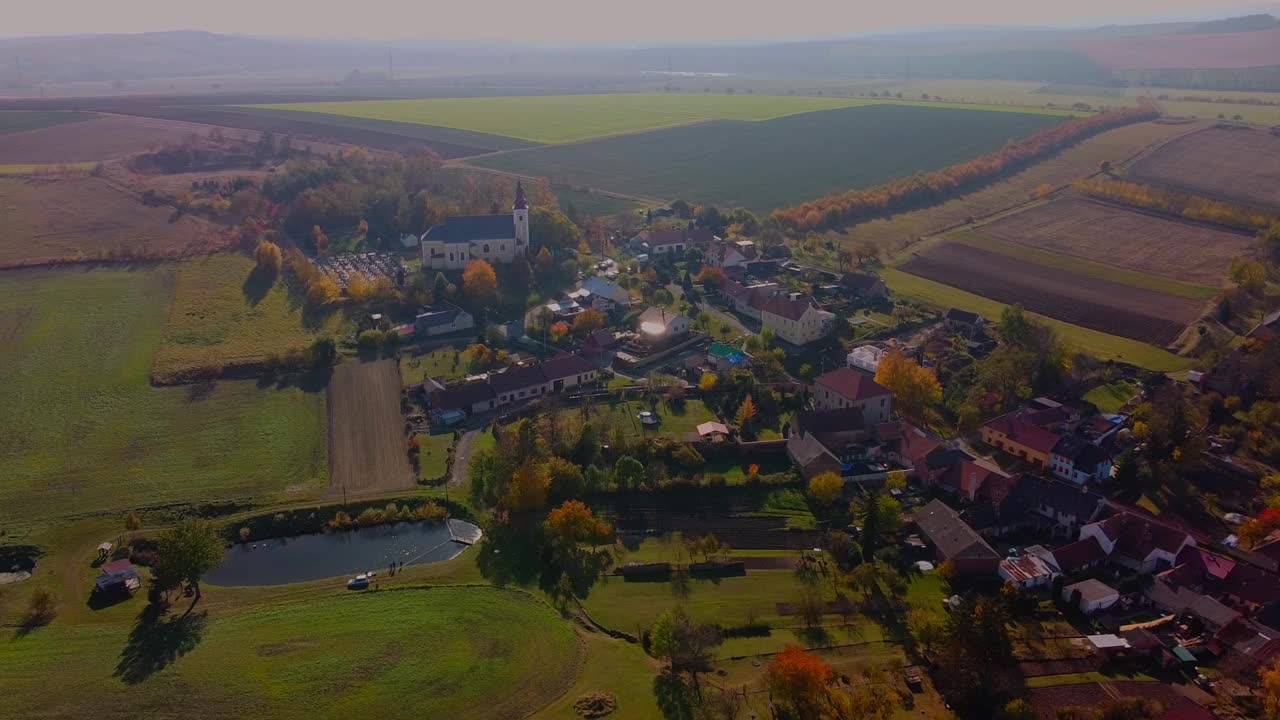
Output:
x,y
462,457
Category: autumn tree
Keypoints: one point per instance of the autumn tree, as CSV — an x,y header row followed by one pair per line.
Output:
x,y
320,240
558,331
480,283
915,388
1249,275
268,257
359,288
746,412
574,523
322,291
185,553
1269,678
707,382
826,487
587,322
528,489
799,682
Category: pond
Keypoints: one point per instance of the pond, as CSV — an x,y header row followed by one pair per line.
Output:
x,y
349,552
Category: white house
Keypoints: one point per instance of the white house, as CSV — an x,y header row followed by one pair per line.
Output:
x,y
497,239
442,318
660,325
663,242
1095,595
601,295
1080,461
849,388
796,320
726,255
1134,542
747,300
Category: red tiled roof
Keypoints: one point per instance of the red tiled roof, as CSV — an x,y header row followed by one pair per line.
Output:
x,y
1137,536
1079,554
851,384
1207,562
1019,429
786,307
565,365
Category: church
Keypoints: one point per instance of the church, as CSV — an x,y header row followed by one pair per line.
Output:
x,y
497,239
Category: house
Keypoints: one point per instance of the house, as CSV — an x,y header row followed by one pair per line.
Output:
x,y
659,325
517,383
955,541
117,576
497,239
663,242
827,440
472,397
441,319
1073,557
1027,571
730,255
1136,542
599,342
964,322
862,286
601,295
713,432
849,388
1079,461
865,357
747,300
1019,434
1094,596
911,447
795,319
566,371
977,479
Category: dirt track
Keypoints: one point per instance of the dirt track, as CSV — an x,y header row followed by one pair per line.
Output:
x,y
1097,304
367,447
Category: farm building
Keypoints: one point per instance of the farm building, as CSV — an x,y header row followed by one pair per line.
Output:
x,y
849,388
953,540
862,286
662,242
795,319
1027,571
441,319
118,576
964,322
1094,595
497,239
658,325
1072,557
516,384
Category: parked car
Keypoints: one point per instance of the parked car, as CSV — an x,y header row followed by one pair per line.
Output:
x,y
359,582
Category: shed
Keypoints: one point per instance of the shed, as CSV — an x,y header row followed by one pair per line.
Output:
x,y
1095,595
118,575
713,431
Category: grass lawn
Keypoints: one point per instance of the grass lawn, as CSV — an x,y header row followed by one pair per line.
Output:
x,y
927,591
45,169
1111,397
221,316
84,432
406,653
1098,344
622,413
433,456
594,204
612,666
437,363
20,121
1088,268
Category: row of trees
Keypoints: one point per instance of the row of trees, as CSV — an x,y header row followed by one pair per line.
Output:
x,y
835,211
1186,205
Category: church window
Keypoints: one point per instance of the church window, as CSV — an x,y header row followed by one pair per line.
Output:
x,y
486,248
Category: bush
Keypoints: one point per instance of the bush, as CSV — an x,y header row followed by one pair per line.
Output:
x,y
41,609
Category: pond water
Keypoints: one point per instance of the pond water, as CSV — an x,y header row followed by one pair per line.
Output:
x,y
345,553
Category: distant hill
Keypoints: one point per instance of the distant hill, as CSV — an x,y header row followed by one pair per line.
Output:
x,y
1233,25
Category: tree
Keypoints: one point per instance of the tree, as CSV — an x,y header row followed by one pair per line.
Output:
x,y
826,487
480,283
528,489
747,411
1269,678
925,627
567,480
322,292
558,331
915,388
550,228
132,523
573,523
268,257
628,472
800,682
185,553
320,240
359,288
707,382
439,288
1018,709
587,322
1249,275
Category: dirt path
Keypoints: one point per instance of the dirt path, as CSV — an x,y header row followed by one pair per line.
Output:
x,y
462,457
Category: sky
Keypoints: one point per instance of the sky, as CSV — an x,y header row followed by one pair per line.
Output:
x,y
576,22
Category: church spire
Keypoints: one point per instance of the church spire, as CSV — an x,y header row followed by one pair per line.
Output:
x,y
521,203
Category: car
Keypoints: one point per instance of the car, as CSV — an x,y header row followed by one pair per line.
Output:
x,y
359,582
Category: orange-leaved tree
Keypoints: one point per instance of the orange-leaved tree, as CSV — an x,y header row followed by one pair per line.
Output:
x,y
573,523
268,256
480,283
915,388
800,682
587,322
528,489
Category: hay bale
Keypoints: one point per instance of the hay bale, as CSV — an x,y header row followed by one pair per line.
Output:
x,y
595,704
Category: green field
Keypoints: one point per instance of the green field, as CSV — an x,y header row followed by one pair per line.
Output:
x,y
82,431
571,118
457,652
1098,344
1111,397
221,316
589,203
433,456
779,162
12,121
1088,268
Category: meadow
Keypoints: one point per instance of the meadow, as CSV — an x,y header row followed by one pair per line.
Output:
x,y
777,162
572,118
14,121
82,431
223,314
407,653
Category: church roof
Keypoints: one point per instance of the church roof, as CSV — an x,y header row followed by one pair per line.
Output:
x,y
466,228
521,203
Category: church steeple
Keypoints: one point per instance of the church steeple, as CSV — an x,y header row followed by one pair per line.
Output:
x,y
521,203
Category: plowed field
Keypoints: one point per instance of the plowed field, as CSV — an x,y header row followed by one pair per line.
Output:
x,y
1239,165
367,447
1088,302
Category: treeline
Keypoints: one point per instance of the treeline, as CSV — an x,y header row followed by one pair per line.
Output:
x,y
921,189
1190,206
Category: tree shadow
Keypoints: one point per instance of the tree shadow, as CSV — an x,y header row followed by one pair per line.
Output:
x,y
157,642
676,700
816,636
202,390
257,285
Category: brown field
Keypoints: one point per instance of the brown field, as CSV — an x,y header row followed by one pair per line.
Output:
x,y
367,448
101,139
1256,48
1239,165
59,220
1046,701
1122,237
1093,303
894,233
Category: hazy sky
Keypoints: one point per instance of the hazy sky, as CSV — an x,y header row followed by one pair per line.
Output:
x,y
572,21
